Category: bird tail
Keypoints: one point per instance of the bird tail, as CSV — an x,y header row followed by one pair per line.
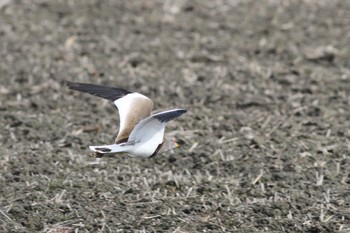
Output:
x,y
109,149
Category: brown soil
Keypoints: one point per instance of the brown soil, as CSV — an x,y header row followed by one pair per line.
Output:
x,y
266,136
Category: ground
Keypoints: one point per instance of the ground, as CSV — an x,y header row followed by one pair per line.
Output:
x,y
265,139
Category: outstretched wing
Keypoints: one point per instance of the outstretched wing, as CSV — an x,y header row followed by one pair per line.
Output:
x,y
153,127
132,106
109,93
166,116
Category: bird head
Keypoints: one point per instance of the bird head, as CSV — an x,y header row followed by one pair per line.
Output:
x,y
170,143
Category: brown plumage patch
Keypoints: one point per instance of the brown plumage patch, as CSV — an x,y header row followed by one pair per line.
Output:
x,y
121,140
141,108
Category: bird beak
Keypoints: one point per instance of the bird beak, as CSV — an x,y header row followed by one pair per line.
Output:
x,y
177,145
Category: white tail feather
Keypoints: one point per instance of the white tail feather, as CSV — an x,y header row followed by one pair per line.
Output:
x,y
109,149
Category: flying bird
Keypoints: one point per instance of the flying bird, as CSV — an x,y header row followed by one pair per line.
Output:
x,y
141,133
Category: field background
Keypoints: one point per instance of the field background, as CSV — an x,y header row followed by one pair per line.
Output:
x,y
265,140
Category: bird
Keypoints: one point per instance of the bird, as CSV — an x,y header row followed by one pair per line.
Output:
x,y
141,132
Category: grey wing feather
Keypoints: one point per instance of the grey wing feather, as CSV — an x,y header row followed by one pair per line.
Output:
x,y
153,125
109,93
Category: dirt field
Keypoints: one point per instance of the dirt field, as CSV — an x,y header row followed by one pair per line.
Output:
x,y
266,138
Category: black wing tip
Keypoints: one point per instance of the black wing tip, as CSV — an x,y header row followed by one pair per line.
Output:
x,y
110,93
77,86
73,85
69,83
164,117
180,111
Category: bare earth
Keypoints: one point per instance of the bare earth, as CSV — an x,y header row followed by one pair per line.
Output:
x,y
266,138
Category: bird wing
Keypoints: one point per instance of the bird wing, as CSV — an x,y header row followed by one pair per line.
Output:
x,y
132,106
153,127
